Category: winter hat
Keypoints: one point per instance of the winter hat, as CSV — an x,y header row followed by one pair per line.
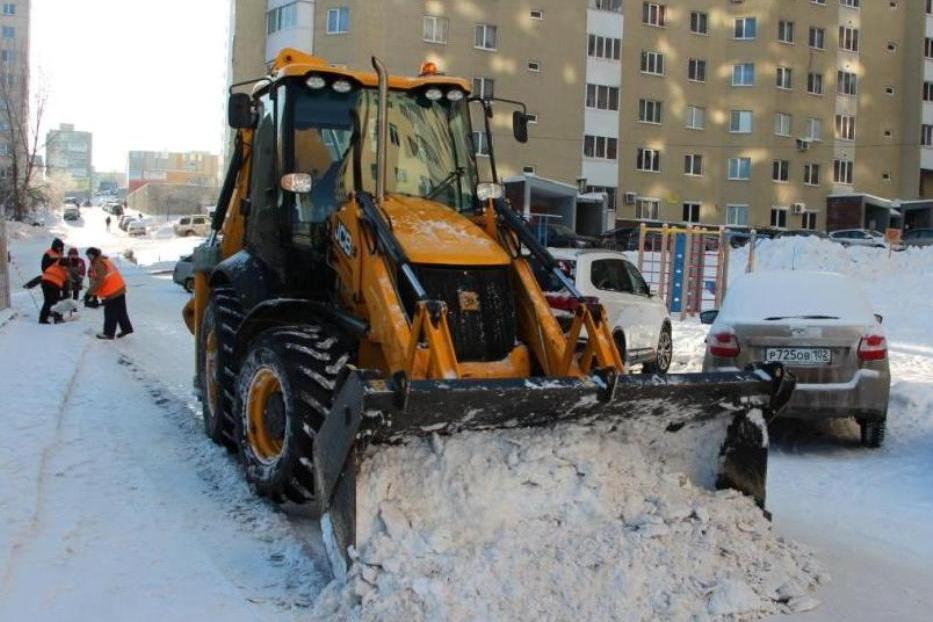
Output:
x,y
92,252
58,245
72,252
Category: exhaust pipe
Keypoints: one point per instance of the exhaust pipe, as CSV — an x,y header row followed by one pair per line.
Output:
x,y
382,129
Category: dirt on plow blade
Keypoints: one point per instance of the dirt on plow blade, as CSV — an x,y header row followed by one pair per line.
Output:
x,y
709,426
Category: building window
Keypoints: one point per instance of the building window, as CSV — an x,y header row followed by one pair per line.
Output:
x,y
7,56
648,160
696,117
845,127
649,111
928,47
696,70
784,77
743,74
647,209
928,89
653,13
779,217
848,38
814,129
693,164
699,23
785,31
610,194
600,147
537,14
746,28
435,29
808,220
608,48
608,5
926,135
842,171
602,97
9,32
531,118
780,170
652,62
485,37
338,20
815,83
534,65
484,88
782,124
811,174
740,122
282,18
847,83
737,215
817,38
691,212
480,144
740,169
851,4
9,8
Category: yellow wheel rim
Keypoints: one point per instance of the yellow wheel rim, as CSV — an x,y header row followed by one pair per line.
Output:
x,y
265,412
210,372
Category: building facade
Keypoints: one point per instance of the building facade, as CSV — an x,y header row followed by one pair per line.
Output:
x,y
193,168
14,87
69,152
739,112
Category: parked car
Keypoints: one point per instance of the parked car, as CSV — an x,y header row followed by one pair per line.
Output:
x,y
562,236
917,237
71,212
800,233
821,327
640,322
184,273
626,239
137,227
125,221
858,237
192,225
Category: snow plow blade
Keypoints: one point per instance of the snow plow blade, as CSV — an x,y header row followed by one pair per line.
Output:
x,y
709,426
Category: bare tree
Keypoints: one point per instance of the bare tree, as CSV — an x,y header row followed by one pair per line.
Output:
x,y
22,186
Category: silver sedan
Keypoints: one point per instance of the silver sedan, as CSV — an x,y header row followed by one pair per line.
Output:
x,y
821,327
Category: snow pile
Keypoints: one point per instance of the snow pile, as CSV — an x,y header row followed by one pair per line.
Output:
x,y
569,523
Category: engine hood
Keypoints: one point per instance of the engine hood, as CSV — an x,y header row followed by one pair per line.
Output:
x,y
431,233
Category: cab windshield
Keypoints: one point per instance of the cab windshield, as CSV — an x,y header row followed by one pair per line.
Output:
x,y
429,151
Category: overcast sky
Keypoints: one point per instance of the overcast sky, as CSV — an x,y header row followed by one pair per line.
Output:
x,y
139,74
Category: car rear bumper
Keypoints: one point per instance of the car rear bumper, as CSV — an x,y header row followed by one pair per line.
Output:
x,y
865,395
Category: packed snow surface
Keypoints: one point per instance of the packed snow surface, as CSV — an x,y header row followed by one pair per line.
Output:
x,y
567,523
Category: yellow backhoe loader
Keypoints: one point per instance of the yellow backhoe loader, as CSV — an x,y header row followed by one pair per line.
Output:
x,y
362,286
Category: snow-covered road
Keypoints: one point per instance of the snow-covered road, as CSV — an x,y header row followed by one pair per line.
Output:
x,y
112,502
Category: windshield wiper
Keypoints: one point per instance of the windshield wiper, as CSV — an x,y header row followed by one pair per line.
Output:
x,y
801,317
455,174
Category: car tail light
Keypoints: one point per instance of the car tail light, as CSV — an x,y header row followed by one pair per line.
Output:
x,y
724,344
873,348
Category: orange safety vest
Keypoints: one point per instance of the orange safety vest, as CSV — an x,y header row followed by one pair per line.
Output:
x,y
56,275
113,280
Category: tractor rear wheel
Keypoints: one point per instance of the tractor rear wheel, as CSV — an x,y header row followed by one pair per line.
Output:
x,y
285,390
217,372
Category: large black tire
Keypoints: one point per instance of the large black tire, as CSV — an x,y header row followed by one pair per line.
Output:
x,y
286,387
873,431
663,354
217,377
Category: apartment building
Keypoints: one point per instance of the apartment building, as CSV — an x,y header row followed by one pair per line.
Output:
x,y
69,152
739,112
192,168
14,56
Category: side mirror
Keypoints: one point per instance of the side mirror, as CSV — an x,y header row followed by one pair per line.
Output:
x,y
520,126
879,317
708,317
240,111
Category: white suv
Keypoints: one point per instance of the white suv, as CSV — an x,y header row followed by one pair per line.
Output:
x,y
192,225
640,322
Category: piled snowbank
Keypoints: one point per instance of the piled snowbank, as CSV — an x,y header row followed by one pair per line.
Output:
x,y
570,523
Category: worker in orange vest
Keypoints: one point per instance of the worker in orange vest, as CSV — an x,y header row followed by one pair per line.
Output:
x,y
107,284
56,280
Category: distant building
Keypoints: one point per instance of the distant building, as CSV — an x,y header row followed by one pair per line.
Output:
x,y
69,152
14,55
193,168
109,182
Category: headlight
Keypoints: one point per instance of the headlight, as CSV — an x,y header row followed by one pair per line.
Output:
x,y
454,95
342,86
434,94
487,191
316,82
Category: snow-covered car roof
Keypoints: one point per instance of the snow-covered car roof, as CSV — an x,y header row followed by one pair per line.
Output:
x,y
795,295
572,254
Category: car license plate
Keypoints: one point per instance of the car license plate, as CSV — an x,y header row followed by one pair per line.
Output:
x,y
799,356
